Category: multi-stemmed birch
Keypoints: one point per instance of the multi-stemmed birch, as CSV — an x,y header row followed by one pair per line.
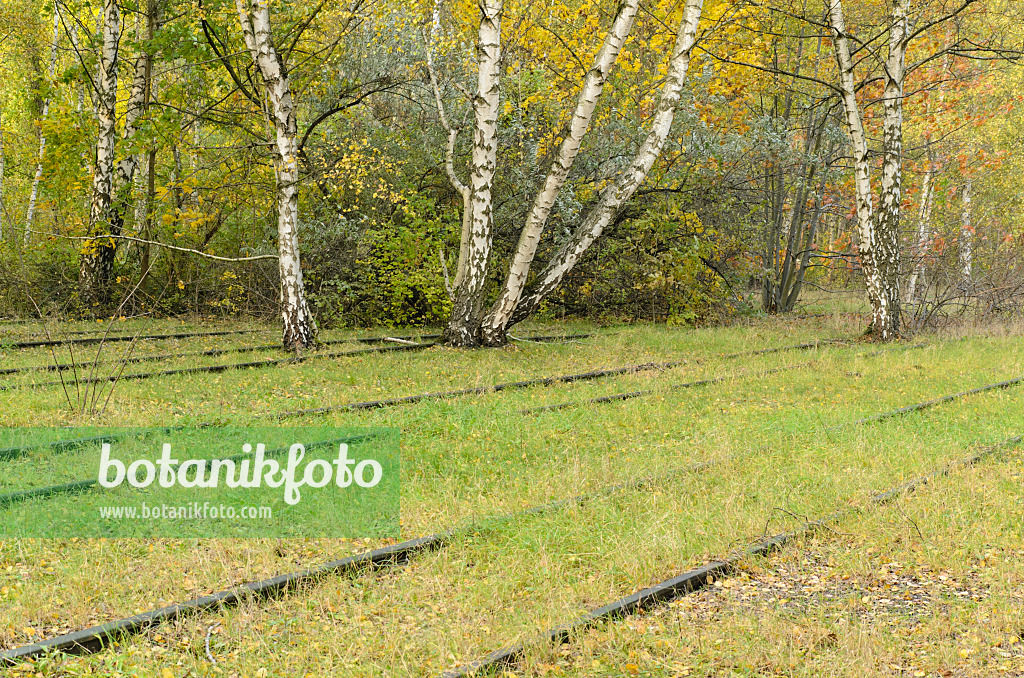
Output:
x,y
254,15
467,325
878,231
496,321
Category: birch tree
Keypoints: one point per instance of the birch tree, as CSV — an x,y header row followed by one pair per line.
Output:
x,y
628,180
497,319
467,305
966,240
468,325
34,191
97,260
878,230
924,225
134,108
254,16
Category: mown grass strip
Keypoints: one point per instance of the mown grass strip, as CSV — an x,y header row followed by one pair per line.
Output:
x,y
700,577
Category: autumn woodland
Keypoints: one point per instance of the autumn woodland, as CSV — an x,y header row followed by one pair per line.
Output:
x,y
642,338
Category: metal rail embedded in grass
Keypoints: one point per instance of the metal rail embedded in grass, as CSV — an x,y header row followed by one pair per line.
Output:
x,y
78,486
94,638
108,340
690,384
135,376
701,577
539,381
63,367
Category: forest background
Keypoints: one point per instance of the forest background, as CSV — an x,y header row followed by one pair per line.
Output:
x,y
753,196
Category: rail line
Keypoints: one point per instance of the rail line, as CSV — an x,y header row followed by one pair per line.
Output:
x,y
539,381
256,364
95,638
700,577
64,367
615,397
114,339
82,485
78,486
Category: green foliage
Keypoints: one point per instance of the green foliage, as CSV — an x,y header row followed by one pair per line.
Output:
x,y
390,274
663,265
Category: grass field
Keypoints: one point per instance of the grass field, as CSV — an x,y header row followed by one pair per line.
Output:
x,y
930,585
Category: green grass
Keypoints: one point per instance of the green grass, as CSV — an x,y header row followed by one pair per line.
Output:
x,y
784,450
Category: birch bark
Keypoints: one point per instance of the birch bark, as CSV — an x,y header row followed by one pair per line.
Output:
x,y
924,227
878,233
449,162
126,168
97,256
34,192
626,183
254,15
467,306
496,321
966,234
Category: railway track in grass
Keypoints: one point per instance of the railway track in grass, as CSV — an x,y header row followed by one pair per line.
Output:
x,y
629,395
701,577
255,364
60,445
64,367
85,341
95,638
10,453
84,485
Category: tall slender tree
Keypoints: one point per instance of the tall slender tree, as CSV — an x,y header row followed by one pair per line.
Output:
x,y
467,305
878,230
37,178
254,16
97,262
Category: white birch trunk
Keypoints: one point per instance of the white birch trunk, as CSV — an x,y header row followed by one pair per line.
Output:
x,y
887,319
449,160
495,322
97,256
299,326
924,228
33,195
966,234
468,304
125,178
878,234
628,180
